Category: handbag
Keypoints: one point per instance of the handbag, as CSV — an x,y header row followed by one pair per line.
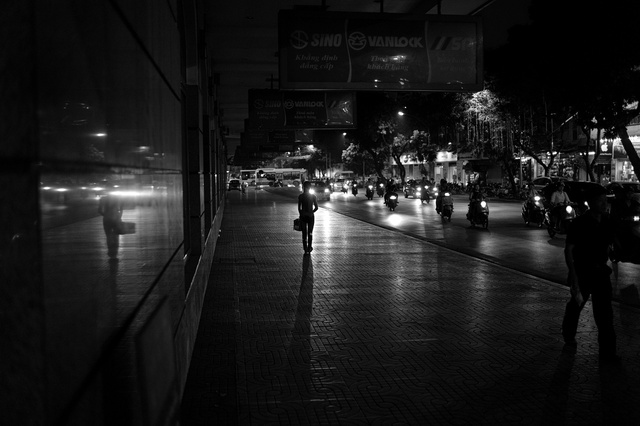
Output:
x,y
296,225
126,228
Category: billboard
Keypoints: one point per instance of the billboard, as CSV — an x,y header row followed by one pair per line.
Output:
x,y
278,109
379,51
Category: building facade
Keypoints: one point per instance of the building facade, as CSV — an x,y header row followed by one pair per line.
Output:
x,y
107,117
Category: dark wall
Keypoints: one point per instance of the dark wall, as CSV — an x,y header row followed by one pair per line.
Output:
x,y
100,325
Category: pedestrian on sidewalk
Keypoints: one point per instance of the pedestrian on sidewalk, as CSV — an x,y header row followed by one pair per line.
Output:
x,y
307,206
110,208
586,254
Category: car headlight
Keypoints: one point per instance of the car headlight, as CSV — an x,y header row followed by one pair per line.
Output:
x,y
569,209
483,204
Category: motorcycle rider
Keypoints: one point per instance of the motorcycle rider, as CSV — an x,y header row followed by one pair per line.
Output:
x,y
475,197
532,192
390,188
441,189
558,200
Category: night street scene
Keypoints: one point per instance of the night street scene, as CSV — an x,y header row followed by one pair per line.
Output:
x,y
320,212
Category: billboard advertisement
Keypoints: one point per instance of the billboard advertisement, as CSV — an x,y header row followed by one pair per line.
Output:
x,y
379,51
279,109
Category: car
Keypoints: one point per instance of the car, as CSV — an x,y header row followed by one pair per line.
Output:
x,y
338,185
412,189
235,184
613,187
541,183
320,188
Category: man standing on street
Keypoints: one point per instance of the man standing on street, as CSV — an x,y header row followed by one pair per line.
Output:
x,y
586,255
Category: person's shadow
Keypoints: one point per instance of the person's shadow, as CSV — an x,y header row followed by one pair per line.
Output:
x,y
299,353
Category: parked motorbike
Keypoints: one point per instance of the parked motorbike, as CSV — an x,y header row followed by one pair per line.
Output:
x,y
446,206
533,211
354,189
392,203
559,225
380,189
369,192
478,213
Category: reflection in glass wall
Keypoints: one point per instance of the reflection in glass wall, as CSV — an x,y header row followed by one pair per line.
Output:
x,y
110,190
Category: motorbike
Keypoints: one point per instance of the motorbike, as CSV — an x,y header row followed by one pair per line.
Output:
x,y
392,203
369,192
626,245
344,188
560,224
426,193
380,189
446,206
478,213
354,189
533,211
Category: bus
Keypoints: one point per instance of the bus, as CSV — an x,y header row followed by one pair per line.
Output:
x,y
264,177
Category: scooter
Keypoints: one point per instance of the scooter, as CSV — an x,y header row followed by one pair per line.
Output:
x,y
426,194
354,189
369,192
533,211
478,213
392,203
566,214
380,189
446,207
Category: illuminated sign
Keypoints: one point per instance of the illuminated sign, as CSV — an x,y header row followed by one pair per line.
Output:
x,y
360,51
279,109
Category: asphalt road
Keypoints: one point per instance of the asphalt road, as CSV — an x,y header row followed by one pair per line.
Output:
x,y
508,241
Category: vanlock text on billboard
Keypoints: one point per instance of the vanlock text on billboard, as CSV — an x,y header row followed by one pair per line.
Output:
x,y
335,40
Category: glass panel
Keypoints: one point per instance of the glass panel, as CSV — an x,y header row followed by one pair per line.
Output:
x,y
110,154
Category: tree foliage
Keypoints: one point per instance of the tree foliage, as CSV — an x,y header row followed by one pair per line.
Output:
x,y
577,60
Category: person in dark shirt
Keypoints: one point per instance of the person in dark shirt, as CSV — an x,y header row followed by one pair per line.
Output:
x,y
307,206
586,254
110,208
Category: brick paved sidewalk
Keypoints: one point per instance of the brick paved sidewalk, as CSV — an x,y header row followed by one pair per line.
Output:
x,y
379,328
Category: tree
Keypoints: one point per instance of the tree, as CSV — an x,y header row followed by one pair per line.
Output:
x,y
490,131
373,135
586,72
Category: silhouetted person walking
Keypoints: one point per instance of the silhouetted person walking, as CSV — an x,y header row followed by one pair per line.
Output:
x,y
111,210
307,206
586,254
